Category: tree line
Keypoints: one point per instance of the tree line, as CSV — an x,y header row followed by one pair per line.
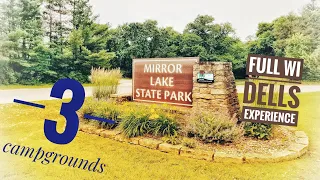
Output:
x,y
46,40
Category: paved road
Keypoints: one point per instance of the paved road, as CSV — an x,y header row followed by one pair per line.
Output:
x,y
7,96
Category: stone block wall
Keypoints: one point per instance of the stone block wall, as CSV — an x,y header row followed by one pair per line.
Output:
x,y
221,95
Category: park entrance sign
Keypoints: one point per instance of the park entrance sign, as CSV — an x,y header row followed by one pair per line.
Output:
x,y
163,80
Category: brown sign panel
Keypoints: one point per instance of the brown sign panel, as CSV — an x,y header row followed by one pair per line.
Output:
x,y
273,66
163,80
269,116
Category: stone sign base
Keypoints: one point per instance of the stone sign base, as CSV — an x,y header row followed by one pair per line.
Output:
x,y
221,95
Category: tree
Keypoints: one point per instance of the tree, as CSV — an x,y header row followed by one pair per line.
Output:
x,y
31,24
22,34
82,15
170,43
239,52
9,17
213,42
138,40
310,22
40,66
283,28
56,17
264,43
191,45
202,26
217,39
299,46
313,65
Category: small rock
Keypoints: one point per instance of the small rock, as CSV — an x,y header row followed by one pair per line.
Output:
x,y
150,143
109,134
134,140
304,141
300,134
300,149
169,148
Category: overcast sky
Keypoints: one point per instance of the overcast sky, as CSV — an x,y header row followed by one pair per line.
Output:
x,y
244,15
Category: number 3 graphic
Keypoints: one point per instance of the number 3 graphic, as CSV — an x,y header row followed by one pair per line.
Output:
x,y
68,110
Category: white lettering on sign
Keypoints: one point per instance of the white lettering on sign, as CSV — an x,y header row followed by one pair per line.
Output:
x,y
156,94
292,67
273,66
264,65
162,81
163,68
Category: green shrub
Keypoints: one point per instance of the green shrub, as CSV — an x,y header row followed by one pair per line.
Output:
x,y
88,107
258,130
133,125
144,121
105,82
164,125
132,120
210,128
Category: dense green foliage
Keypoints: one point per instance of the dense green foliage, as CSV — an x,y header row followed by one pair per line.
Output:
x,y
258,130
45,40
138,123
52,39
131,119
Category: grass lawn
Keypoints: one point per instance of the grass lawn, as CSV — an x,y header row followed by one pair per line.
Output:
x,y
24,126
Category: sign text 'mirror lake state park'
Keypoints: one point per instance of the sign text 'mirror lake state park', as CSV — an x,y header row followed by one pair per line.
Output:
x,y
167,80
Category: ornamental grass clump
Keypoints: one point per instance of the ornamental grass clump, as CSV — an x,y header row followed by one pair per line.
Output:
x,y
209,127
148,121
131,119
105,82
135,124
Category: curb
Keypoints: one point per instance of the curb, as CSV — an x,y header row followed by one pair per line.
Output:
x,y
295,150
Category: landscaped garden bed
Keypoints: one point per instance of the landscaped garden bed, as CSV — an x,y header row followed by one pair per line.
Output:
x,y
191,133
197,132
